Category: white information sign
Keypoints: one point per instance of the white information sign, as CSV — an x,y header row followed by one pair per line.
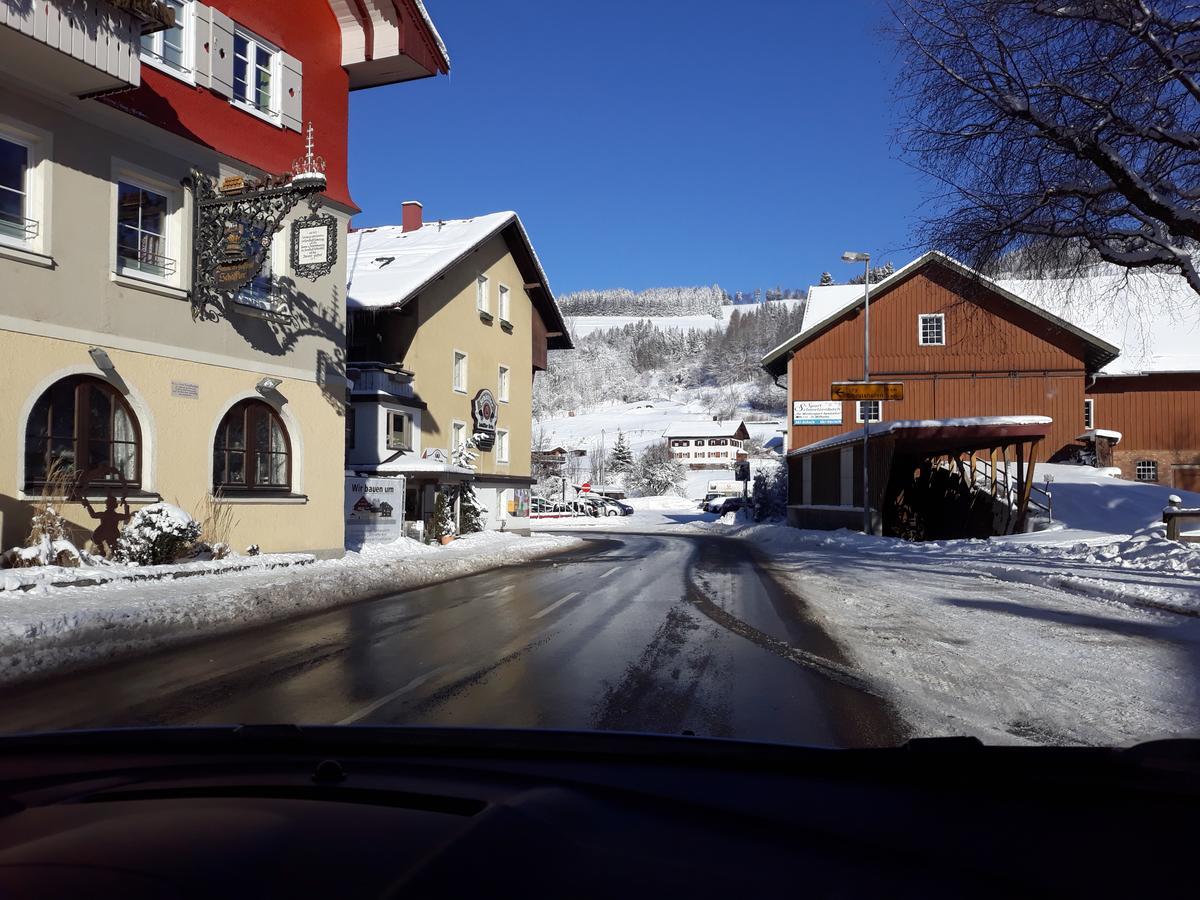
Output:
x,y
817,412
374,510
312,245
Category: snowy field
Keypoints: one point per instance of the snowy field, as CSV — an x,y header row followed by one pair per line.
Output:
x,y
53,628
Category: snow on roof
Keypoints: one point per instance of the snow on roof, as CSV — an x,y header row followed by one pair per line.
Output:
x,y
433,30
881,428
709,428
1092,433
1153,317
387,266
825,300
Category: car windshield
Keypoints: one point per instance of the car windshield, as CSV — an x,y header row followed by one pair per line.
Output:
x,y
839,390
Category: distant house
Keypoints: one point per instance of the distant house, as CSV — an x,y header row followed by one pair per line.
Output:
x,y
707,445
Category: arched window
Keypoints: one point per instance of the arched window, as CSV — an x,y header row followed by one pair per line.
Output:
x,y
252,451
87,426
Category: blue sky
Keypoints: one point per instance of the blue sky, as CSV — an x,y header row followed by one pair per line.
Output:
x,y
653,142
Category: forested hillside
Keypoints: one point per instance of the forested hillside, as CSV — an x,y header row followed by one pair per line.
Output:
x,y
642,361
668,301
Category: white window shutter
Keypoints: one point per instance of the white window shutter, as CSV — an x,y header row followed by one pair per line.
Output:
x,y
291,107
202,26
220,53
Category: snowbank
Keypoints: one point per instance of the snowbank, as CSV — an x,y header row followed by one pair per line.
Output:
x,y
45,578
1041,643
44,630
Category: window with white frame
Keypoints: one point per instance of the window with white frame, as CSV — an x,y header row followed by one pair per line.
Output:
x,y
869,408
483,302
399,431
458,434
16,163
256,74
143,219
1089,413
502,385
1146,470
931,329
501,445
171,49
503,303
459,381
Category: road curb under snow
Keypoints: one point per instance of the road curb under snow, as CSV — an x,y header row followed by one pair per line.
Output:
x,y
51,631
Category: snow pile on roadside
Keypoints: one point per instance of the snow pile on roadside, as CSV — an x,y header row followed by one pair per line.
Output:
x,y
46,578
1013,643
42,631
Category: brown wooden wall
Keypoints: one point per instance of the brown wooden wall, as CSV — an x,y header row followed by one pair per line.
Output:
x,y
1159,418
998,360
539,341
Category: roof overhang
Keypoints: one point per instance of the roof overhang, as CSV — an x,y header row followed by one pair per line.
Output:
x,y
937,437
1097,354
388,41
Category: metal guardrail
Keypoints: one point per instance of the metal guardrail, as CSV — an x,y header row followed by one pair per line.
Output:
x,y
145,261
1041,499
1175,514
18,227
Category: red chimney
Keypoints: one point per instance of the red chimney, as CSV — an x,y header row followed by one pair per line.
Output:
x,y
410,218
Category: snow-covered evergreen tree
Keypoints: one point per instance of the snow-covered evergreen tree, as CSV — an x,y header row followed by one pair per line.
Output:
x,y
768,493
471,512
621,460
443,515
826,279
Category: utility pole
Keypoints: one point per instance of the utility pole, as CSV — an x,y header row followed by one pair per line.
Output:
x,y
865,259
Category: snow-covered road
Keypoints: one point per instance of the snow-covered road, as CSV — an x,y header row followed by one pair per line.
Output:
x,y
1007,643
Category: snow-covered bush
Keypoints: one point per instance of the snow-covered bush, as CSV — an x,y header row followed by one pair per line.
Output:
x,y
656,473
768,493
157,534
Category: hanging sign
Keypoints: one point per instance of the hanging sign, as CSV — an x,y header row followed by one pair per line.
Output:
x,y
314,246
816,412
484,412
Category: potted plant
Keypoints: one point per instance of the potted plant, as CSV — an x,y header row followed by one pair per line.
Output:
x,y
443,518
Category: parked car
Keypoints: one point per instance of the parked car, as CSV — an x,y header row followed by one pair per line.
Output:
x,y
722,505
606,506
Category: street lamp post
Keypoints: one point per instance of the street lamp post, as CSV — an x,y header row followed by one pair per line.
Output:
x,y
865,259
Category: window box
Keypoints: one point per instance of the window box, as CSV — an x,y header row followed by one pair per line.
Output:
x,y
506,325
486,317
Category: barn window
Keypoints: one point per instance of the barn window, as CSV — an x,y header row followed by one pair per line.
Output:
x,y
252,451
1089,413
931,328
1147,470
868,408
86,425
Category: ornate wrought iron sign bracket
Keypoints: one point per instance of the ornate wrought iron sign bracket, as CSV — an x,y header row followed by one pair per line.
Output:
x,y
233,223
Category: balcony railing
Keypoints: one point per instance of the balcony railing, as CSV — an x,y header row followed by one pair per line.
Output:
x,y
14,226
142,260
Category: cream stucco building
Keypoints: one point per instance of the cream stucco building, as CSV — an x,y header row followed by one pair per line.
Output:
x,y
444,317
103,114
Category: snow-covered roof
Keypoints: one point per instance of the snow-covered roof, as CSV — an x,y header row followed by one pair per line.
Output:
x,y
1092,433
1153,317
881,428
828,302
388,266
702,428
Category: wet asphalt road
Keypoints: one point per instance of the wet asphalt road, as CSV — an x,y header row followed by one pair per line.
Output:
x,y
636,632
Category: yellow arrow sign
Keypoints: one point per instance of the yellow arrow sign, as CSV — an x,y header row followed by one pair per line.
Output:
x,y
867,390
